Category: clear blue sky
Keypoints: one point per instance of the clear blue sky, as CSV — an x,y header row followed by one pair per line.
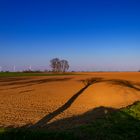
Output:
x,y
90,34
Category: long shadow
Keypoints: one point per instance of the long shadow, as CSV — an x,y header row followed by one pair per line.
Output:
x,y
83,119
34,82
102,123
44,121
12,79
109,124
125,83
39,81
90,116
111,115
87,82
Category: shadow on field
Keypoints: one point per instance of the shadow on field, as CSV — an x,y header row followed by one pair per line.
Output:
x,y
125,83
34,82
11,79
119,82
78,120
119,116
101,123
44,121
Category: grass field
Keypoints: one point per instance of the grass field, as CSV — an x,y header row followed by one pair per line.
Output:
x,y
98,106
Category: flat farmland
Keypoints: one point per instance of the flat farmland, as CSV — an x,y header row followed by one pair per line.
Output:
x,y
44,100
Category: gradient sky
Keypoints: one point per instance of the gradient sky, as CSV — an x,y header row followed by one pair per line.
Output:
x,y
91,34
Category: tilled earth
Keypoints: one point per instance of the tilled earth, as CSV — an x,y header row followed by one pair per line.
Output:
x,y
26,100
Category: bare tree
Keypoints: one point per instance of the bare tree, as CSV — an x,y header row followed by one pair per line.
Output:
x,y
64,65
59,65
55,64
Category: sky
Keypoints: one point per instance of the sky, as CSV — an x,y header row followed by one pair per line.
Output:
x,y
93,35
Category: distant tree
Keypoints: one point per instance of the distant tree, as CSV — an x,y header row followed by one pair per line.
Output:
x,y
55,64
59,65
64,65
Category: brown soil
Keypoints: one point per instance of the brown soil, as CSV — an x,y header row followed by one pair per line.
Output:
x,y
43,100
